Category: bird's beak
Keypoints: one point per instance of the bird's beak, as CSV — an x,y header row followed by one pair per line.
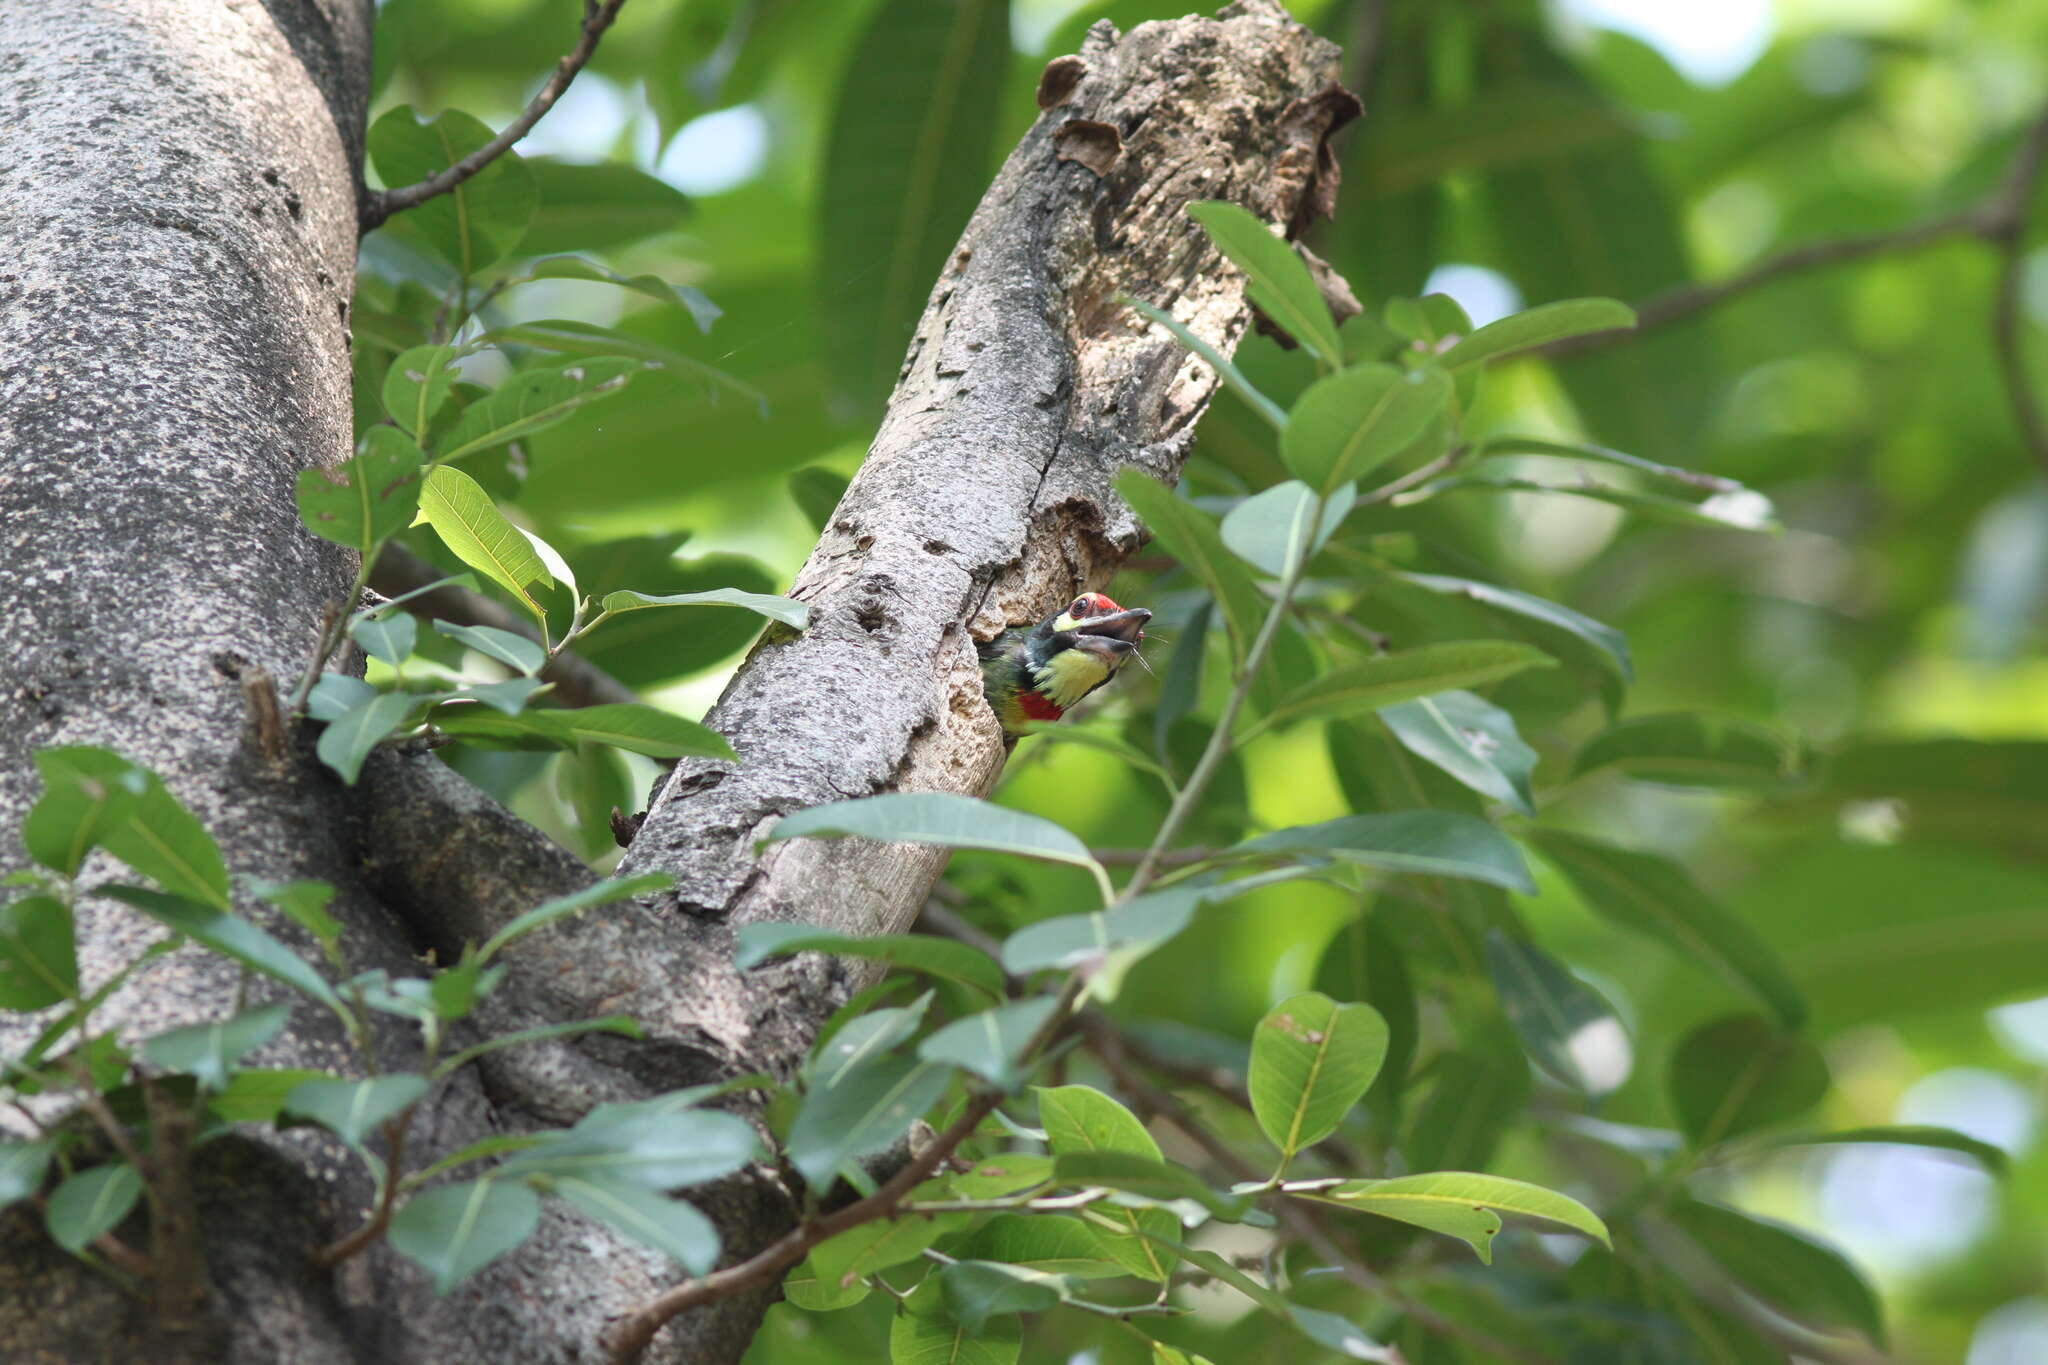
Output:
x,y
1113,649
1126,627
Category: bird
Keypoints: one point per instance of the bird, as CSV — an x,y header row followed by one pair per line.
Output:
x,y
1032,673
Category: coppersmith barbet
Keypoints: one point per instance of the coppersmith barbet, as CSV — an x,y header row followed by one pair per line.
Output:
x,y
1037,672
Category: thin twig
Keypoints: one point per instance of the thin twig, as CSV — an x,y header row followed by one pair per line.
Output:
x,y
379,205
334,1253
2004,223
1131,857
1998,219
578,682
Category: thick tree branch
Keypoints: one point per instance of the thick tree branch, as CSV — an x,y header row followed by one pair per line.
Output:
x,y
578,682
379,205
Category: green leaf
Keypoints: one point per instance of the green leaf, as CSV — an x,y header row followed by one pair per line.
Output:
x,y
603,204
480,220
416,386
1392,679
1804,1278
976,1291
23,1165
366,498
389,637
691,300
862,1109
1080,1119
642,1149
456,1230
670,1226
990,1044
1538,326
921,1339
38,954
547,912
944,958
871,1247
348,739
206,1051
1232,377
534,400
335,695
1742,510
1434,321
91,1203
1474,1096
788,611
805,1288
817,492
473,528
1279,530
633,726
257,1094
1688,749
512,650
1192,538
1607,643
1471,739
230,935
1045,1242
352,1110
1312,1060
1738,1073
1142,923
1428,842
907,157
1654,896
1280,284
1348,424
1147,1178
1497,446
935,818
1571,1032
95,797
1992,1158
1004,1173
606,349
1460,1203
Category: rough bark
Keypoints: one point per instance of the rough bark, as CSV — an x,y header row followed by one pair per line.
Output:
x,y
173,350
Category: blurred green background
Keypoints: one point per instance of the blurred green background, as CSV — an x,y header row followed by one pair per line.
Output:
x,y
806,163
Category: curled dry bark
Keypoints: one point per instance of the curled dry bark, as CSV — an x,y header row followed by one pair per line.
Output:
x,y
173,350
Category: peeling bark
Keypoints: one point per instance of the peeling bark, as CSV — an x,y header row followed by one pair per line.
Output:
x,y
173,351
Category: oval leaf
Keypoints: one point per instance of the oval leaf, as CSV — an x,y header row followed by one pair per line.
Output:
x,y
1280,284
1312,1059
473,528
788,611
1461,1203
1395,678
945,958
1471,739
481,219
1539,326
1689,750
1738,1073
457,1230
935,818
1433,842
91,1203
1654,896
367,497
351,1110
1345,426
1571,1032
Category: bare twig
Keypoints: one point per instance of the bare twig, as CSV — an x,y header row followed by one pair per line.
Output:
x,y
334,1253
1997,219
578,682
379,205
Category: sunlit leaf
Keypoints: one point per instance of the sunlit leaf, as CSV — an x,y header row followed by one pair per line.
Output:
x,y
1280,284
1312,1059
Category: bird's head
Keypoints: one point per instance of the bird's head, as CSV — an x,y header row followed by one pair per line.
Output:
x,y
1080,647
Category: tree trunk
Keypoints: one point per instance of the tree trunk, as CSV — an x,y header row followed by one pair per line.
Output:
x,y
178,190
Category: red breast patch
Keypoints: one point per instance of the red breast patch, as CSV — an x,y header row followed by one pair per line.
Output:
x,y
1037,706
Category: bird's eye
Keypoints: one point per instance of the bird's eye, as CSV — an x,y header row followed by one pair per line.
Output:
x,y
1079,608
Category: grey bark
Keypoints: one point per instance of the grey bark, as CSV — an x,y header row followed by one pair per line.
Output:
x,y
173,350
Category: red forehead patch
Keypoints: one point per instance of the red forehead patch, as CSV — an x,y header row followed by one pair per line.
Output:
x,y
1098,603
